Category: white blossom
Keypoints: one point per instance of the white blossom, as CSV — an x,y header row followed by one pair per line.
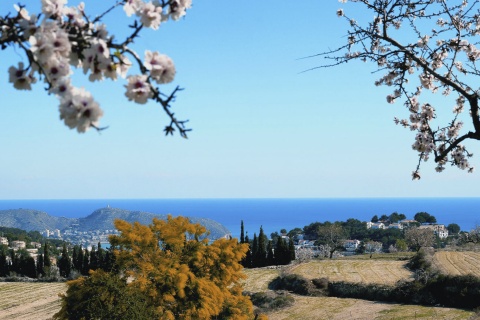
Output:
x,y
161,67
19,77
53,7
79,110
150,15
138,89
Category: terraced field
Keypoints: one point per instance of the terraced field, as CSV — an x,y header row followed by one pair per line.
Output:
x,y
457,263
29,301
309,308
355,270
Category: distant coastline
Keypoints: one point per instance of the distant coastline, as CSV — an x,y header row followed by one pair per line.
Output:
x,y
272,214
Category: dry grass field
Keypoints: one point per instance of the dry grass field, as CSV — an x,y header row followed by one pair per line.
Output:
x,y
39,301
29,301
316,308
457,263
355,270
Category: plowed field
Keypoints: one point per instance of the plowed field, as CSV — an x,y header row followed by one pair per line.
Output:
x,y
35,301
457,263
365,271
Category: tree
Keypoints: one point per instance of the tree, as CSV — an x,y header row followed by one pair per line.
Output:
x,y
270,255
424,217
453,228
46,256
401,245
64,263
4,266
395,217
282,255
291,249
418,238
61,40
26,264
374,219
332,235
247,263
242,233
174,275
261,254
40,266
422,48
372,247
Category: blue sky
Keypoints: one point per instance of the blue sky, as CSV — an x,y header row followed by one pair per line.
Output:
x,y
261,127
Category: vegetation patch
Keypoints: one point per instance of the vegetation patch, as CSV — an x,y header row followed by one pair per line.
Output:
x,y
298,284
271,300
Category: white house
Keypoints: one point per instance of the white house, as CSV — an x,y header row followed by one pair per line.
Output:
x,y
377,225
351,245
18,244
396,226
438,229
4,241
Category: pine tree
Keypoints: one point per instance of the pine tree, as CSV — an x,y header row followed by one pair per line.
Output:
x,y
40,265
64,263
261,254
100,256
93,259
3,262
46,256
254,251
282,255
78,262
248,255
291,249
270,256
242,236
85,263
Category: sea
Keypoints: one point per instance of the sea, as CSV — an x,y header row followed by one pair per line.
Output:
x,y
270,214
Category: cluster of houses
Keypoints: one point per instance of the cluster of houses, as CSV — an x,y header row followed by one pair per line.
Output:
x,y
438,229
352,245
84,238
17,244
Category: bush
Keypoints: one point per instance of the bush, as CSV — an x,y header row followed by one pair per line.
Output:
x,y
267,301
422,260
448,291
296,284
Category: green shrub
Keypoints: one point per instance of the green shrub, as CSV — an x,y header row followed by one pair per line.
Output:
x,y
320,283
296,284
267,301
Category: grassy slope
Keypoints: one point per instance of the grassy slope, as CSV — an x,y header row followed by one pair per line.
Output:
x,y
380,269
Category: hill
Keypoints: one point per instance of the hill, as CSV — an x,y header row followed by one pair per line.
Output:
x,y
100,219
27,219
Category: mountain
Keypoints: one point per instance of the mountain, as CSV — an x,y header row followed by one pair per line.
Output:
x,y
28,220
100,219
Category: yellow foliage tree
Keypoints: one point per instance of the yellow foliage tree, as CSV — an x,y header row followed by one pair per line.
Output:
x,y
167,270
